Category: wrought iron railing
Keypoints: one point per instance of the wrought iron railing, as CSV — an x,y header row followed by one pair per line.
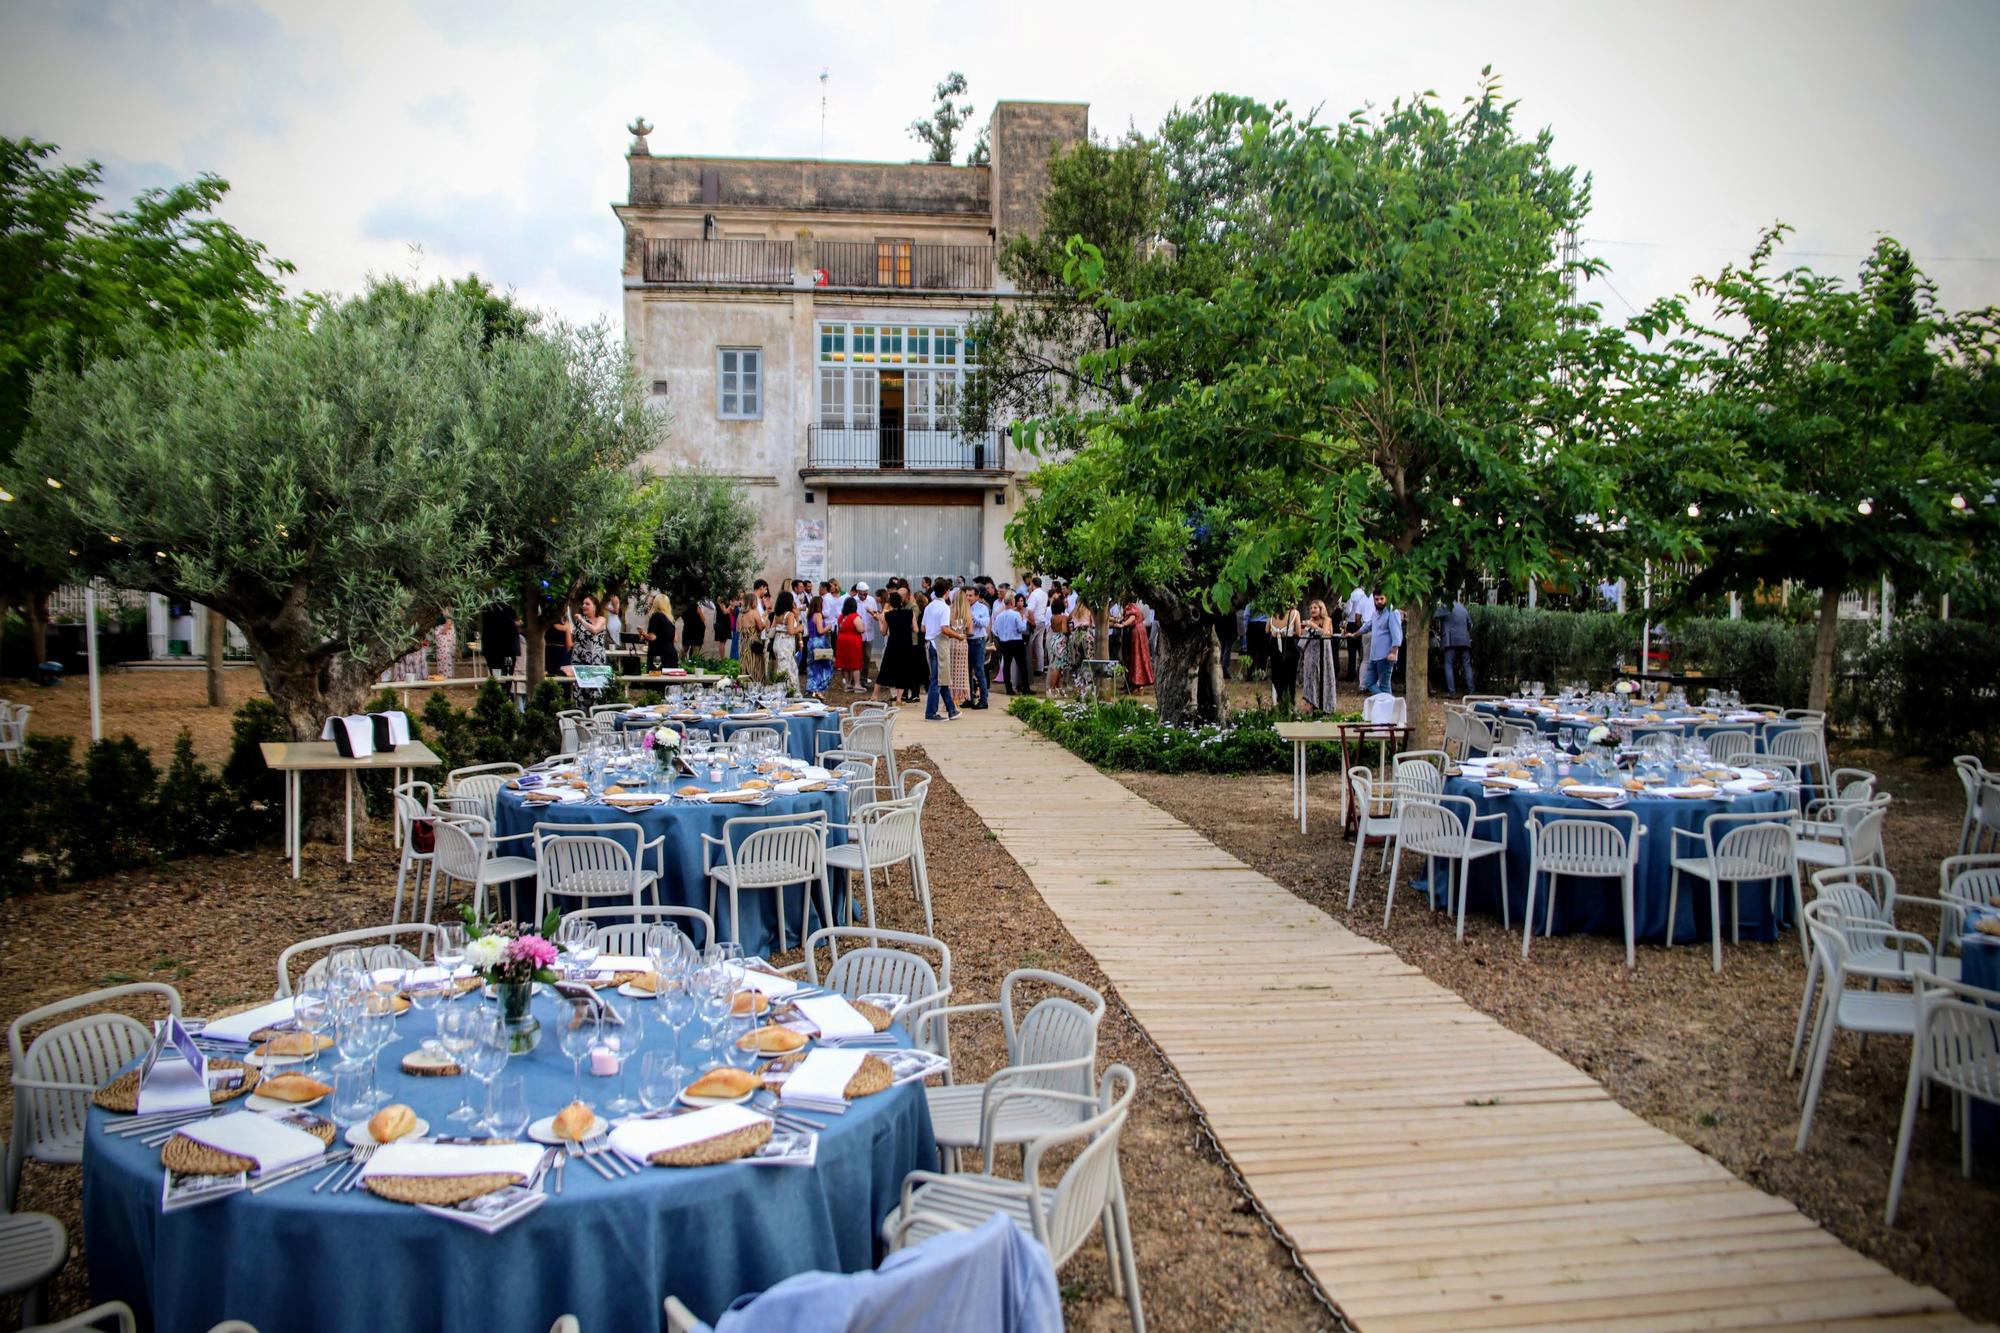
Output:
x,y
691,259
895,449
901,264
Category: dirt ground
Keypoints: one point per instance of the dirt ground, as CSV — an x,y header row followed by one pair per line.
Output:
x,y
213,927
1701,1056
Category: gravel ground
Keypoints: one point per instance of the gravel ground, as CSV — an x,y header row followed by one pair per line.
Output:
x,y
213,927
1701,1056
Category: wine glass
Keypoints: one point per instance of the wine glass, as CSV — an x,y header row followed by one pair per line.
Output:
x,y
388,967
676,1010
314,1016
659,1080
579,940
450,945
507,1106
379,1018
353,1094
580,1032
487,1055
714,1003
455,1034
622,1044
737,1052
427,997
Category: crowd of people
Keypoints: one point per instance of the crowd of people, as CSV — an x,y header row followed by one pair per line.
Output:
x,y
952,641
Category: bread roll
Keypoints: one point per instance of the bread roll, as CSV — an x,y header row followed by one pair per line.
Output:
x,y
692,790
573,1122
756,784
724,1082
772,1040
288,1045
749,1002
292,1088
392,1123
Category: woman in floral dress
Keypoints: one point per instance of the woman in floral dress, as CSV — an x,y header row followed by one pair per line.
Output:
x,y
591,645
819,654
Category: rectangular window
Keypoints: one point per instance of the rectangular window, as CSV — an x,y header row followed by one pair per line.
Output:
x,y
739,383
833,342
892,262
917,400
865,386
892,344
832,397
920,347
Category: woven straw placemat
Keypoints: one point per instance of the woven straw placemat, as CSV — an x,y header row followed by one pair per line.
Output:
x,y
722,1148
874,1075
184,1155
121,1094
877,1017
440,1190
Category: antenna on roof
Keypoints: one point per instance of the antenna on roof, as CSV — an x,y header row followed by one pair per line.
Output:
x,y
822,113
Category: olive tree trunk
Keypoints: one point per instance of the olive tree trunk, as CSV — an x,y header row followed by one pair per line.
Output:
x,y
1187,686
218,637
534,660
1417,665
1825,646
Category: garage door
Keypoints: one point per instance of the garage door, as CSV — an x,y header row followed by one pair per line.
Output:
x,y
872,542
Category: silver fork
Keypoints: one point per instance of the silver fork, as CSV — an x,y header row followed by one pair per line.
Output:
x,y
302,1169
577,1150
357,1161
599,1148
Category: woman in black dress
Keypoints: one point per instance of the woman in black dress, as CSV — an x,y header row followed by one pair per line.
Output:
x,y
1284,630
555,640
694,630
660,650
903,667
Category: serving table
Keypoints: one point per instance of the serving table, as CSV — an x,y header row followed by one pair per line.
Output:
x,y
607,1251
293,758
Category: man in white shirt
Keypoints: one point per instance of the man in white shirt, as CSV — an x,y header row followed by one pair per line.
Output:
x,y
1360,615
982,618
829,603
871,631
936,616
1038,637
1010,627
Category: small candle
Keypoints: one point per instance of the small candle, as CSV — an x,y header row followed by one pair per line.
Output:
x,y
603,1062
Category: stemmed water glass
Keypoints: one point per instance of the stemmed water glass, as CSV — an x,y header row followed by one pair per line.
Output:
x,y
353,1094
623,1043
450,946
488,1053
354,1039
580,1034
578,939
676,1010
659,1080
714,997
314,1016
456,1034
379,1018
507,1107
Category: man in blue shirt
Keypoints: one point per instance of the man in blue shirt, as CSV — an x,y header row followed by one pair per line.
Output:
x,y
1385,645
982,617
1010,628
1455,631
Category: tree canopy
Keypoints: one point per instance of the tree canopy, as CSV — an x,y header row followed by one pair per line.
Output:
x,y
704,544
939,132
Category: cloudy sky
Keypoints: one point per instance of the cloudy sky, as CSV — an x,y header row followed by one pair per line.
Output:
x,y
373,137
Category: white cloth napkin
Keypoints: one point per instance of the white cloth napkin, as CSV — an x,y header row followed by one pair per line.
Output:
x,y
834,1017
822,1077
273,1146
642,1138
399,726
767,984
563,796
1502,780
360,731
453,1159
238,1027
620,962
1709,792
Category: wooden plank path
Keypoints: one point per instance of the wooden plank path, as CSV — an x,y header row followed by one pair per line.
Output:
x,y
1433,1169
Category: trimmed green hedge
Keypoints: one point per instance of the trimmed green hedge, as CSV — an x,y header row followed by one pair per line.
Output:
x,y
1126,734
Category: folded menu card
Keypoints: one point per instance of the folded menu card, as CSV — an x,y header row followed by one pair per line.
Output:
x,y
271,1144
174,1076
640,1139
453,1159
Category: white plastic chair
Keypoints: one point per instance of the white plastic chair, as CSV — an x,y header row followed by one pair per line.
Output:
x,y
1972,832
1859,841
1090,1193
1862,901
1050,1048
1957,1046
872,734
753,734
1376,816
1479,735
593,862
55,1075
1455,731
882,836
33,1249
416,933
623,930
1969,881
1733,850
574,726
1726,745
13,731
466,854
1386,708
1843,1008
1590,844
1823,816
872,968
1807,744
415,810
123,1321
1445,828
476,790
768,852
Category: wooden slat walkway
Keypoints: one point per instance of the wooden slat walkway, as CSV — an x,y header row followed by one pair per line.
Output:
x,y
1433,1169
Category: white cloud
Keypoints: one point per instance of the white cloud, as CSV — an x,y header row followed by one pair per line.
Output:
x,y
492,134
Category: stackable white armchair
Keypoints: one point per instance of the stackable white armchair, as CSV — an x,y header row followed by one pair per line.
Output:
x,y
1376,815
1587,844
475,790
415,941
1090,1192
753,734
1956,1046
1479,735
416,815
55,1074
1968,881
1446,828
1980,829
1726,745
870,966
1455,730
574,727
868,736
1848,1003
13,731
623,930
469,853
1807,744
881,836
1855,837
594,863
33,1248
1052,1047
1734,850
768,852
1825,818
1858,902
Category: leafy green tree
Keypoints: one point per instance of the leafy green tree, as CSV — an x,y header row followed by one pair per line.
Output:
x,y
939,134
332,483
1861,421
704,544
71,277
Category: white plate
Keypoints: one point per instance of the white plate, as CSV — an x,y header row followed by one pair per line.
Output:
x,y
543,1130
359,1136
256,1061
257,1101
690,1100
631,992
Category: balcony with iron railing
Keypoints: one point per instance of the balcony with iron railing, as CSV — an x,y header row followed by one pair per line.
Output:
x,y
690,259
903,265
895,449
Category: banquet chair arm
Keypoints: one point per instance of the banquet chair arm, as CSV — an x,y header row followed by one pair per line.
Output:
x,y
1499,816
921,1031
990,1112
1696,836
1903,941
997,1085
920,1010
710,840
1000,1191
51,1085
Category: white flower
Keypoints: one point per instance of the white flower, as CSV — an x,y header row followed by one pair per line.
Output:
x,y
1624,687
1598,735
666,736
485,952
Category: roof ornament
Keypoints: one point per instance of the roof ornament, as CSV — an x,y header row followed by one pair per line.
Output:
x,y
639,129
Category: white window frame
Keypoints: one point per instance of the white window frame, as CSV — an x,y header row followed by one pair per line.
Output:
x,y
740,382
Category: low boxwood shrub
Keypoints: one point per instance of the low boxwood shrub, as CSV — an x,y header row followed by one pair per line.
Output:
x,y
1125,734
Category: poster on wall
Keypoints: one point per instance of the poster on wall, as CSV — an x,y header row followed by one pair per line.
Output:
x,y
809,544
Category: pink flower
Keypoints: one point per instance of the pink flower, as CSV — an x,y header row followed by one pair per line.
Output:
x,y
532,950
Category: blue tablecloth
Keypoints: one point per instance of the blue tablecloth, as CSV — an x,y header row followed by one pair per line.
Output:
x,y
682,883
1980,955
1550,726
805,736
606,1251
1592,906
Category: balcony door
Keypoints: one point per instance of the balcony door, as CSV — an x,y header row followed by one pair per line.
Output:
x,y
892,419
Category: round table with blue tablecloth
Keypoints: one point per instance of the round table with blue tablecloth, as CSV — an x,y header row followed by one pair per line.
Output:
x,y
1979,956
1593,906
1690,721
682,824
607,1251
806,734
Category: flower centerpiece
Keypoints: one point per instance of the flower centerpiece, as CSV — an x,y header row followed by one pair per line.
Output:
x,y
512,962
663,738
